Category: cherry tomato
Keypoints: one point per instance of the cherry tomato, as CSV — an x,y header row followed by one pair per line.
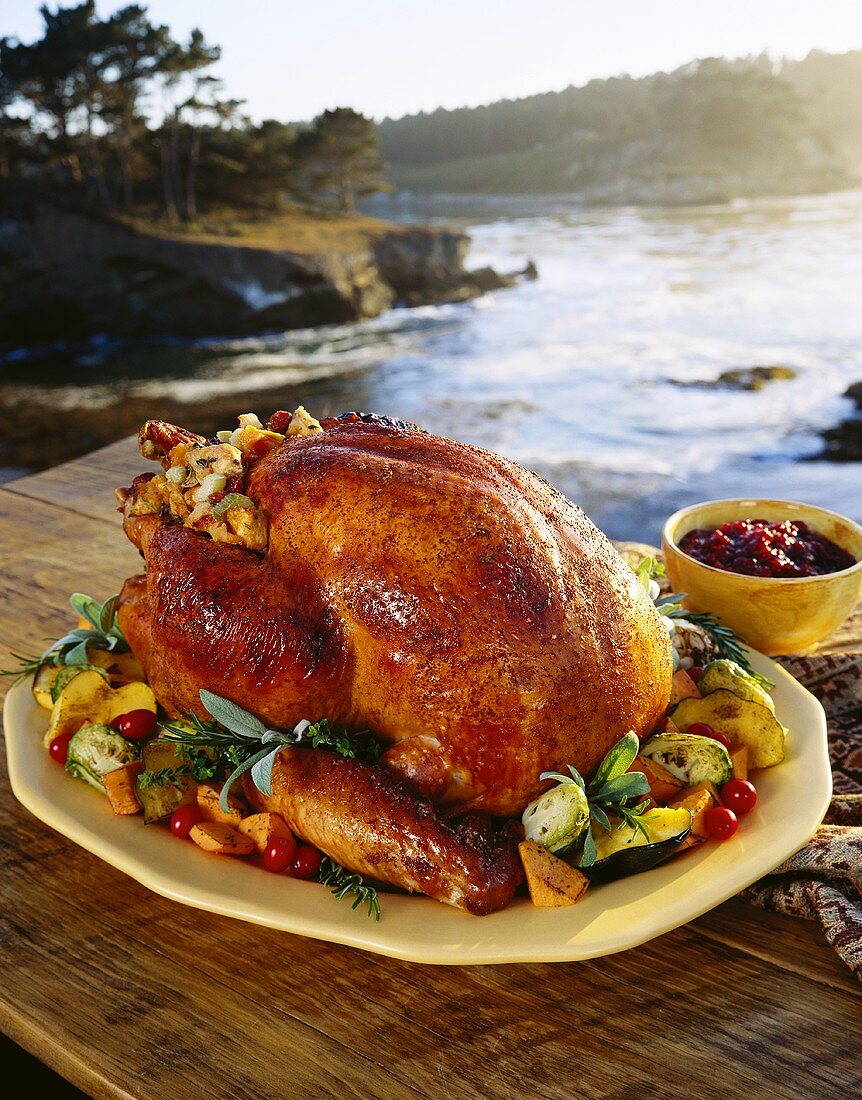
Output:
x,y
695,671
137,725
59,748
721,823
183,820
739,795
700,729
305,862
279,853
722,738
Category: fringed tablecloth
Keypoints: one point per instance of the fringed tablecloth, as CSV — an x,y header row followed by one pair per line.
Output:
x,y
823,881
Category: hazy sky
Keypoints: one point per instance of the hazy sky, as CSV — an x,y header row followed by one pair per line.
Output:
x,y
290,59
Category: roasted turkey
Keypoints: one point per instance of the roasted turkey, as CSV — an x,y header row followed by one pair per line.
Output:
x,y
443,597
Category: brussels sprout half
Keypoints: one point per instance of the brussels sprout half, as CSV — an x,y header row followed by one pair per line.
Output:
x,y
96,750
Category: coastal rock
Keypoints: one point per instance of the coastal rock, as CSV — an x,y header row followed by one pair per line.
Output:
x,y
843,443
67,276
742,378
854,392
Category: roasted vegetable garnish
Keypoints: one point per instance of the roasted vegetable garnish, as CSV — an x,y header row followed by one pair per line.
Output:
x,y
95,750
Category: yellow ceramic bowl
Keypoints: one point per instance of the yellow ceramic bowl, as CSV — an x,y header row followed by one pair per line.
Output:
x,y
773,614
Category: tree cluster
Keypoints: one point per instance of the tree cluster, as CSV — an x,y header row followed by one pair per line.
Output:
x,y
116,113
713,110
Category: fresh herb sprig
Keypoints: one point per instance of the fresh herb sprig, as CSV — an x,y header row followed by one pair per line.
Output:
x,y
239,739
362,745
103,633
728,643
649,569
345,884
163,777
613,789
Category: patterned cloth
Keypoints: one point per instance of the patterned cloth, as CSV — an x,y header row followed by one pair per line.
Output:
x,y
823,881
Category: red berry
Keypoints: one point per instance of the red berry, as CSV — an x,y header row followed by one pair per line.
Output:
x,y
702,729
739,795
306,862
279,854
183,820
721,823
59,748
137,725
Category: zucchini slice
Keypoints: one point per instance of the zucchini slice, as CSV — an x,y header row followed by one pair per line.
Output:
x,y
626,851
689,757
729,675
748,723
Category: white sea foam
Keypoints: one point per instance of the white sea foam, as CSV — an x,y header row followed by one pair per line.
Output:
x,y
586,374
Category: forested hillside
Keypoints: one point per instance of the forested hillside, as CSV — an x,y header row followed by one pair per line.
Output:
x,y
713,128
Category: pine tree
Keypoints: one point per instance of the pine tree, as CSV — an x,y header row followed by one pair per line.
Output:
x,y
340,156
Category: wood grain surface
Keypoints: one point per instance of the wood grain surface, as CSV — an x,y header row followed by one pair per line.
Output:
x,y
127,994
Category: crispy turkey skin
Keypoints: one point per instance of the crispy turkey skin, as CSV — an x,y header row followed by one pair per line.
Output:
x,y
438,594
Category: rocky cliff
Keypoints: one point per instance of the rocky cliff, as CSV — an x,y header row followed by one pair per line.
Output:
x,y
70,277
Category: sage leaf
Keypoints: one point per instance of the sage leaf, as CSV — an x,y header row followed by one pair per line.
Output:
x,y
261,772
87,608
109,610
232,716
78,655
617,761
588,856
236,773
621,788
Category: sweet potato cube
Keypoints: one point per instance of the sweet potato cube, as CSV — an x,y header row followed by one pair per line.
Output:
x,y
208,795
121,788
663,785
682,687
739,760
264,828
550,880
699,799
221,839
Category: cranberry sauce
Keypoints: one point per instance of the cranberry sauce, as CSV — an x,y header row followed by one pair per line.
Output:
x,y
766,548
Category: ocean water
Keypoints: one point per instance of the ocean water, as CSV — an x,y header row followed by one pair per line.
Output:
x,y
596,375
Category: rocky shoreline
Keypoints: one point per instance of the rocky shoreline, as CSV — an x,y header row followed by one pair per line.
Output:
x,y
66,276
843,443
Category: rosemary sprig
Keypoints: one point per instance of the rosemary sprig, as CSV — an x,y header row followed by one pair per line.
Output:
x,y
344,884
163,777
728,643
27,666
632,816
103,633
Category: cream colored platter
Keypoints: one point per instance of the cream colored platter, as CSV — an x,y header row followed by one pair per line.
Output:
x,y
792,799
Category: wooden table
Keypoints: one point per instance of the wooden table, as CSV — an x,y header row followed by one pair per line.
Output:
x,y
127,994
